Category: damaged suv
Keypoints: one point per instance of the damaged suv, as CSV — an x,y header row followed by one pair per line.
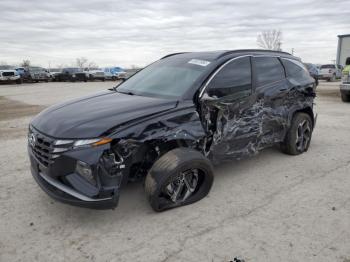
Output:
x,y
169,123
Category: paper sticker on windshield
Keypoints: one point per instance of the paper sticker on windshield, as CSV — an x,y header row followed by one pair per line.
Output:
x,y
199,62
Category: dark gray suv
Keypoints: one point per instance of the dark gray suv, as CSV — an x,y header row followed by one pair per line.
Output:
x,y
169,123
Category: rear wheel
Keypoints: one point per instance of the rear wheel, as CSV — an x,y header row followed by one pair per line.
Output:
x,y
345,97
180,177
298,137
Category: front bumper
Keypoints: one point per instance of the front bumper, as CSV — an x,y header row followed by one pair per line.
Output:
x,y
60,180
325,76
64,194
9,78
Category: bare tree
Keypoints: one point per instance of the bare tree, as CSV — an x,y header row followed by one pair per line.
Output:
x,y
81,62
270,39
92,64
25,63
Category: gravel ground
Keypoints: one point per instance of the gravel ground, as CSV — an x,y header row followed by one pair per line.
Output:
x,y
271,207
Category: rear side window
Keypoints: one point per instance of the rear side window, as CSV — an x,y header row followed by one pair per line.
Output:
x,y
295,69
233,79
268,70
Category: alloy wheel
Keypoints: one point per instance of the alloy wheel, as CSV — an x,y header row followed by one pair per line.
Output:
x,y
183,186
303,135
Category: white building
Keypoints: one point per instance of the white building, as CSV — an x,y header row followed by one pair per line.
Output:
x,y
343,51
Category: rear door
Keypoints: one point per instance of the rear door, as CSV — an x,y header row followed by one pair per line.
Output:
x,y
301,85
271,90
229,111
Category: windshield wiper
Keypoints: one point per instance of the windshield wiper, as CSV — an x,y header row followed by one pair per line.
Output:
x,y
126,92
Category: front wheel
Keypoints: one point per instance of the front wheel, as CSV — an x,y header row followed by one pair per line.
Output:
x,y
298,138
180,177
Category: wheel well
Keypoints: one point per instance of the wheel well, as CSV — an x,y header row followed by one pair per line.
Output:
x,y
308,111
150,152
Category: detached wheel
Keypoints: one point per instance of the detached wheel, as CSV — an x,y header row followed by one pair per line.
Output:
x,y
298,137
180,177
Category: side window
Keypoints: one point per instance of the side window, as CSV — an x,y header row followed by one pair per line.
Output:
x,y
268,70
233,79
296,69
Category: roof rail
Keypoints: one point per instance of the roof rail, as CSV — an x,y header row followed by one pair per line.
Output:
x,y
252,50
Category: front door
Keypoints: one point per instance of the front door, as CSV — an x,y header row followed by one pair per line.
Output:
x,y
230,112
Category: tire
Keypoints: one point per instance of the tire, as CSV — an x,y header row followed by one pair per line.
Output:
x,y
114,78
19,81
345,97
171,171
298,138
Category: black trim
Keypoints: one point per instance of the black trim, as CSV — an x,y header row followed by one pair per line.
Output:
x,y
68,199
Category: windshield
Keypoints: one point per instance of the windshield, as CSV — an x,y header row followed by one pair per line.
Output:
x,y
327,66
169,77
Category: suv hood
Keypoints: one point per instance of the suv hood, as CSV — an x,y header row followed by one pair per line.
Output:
x,y
93,115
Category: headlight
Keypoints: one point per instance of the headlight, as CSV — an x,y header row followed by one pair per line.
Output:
x,y
82,142
92,142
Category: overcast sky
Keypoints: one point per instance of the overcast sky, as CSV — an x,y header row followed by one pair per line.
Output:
x,y
136,32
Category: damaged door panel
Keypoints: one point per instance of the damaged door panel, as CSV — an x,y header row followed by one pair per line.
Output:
x,y
169,123
234,115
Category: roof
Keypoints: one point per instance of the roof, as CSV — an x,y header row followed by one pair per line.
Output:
x,y
214,55
342,36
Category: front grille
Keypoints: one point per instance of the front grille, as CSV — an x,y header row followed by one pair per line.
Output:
x,y
42,147
8,73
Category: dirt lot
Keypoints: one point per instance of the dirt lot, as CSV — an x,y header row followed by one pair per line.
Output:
x,y
271,207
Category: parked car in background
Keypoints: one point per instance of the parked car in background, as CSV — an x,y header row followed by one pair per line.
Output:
x,y
33,74
95,74
71,74
330,72
53,72
114,73
9,75
345,85
168,123
313,70
130,72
